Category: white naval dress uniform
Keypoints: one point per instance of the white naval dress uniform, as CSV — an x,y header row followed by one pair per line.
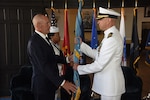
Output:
x,y
108,76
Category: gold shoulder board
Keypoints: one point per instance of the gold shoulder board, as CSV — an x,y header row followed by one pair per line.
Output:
x,y
110,35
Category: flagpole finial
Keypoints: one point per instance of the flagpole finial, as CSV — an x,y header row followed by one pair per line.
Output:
x,y
82,2
65,4
93,3
134,11
108,4
136,2
52,4
122,3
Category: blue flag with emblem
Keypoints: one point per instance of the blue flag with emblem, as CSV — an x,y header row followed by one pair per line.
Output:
x,y
94,38
77,53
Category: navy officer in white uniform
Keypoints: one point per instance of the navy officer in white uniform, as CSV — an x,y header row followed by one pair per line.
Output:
x,y
108,78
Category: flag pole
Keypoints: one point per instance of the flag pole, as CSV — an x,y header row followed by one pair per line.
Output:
x,y
108,4
94,8
136,2
93,3
65,4
52,4
122,3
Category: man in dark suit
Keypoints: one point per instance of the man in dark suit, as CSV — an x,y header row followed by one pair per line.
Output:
x,y
45,78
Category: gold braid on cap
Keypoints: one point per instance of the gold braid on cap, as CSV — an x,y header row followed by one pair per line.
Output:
x,y
102,16
109,35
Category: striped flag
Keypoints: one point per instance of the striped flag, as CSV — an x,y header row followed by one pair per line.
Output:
x,y
53,18
122,32
94,38
135,49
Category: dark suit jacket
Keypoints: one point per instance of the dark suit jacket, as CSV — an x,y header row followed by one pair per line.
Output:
x,y
45,79
61,58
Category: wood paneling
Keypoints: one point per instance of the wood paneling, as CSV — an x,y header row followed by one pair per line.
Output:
x,y
16,29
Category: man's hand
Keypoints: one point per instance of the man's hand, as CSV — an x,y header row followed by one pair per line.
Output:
x,y
70,58
69,87
77,40
75,66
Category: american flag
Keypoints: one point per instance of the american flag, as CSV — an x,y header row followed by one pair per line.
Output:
x,y
53,19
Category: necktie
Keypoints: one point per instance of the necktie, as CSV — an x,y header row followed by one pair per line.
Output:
x,y
48,40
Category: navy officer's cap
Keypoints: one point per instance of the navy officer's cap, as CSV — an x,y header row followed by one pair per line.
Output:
x,y
109,13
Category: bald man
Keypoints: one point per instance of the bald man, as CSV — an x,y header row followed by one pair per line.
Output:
x,y
45,79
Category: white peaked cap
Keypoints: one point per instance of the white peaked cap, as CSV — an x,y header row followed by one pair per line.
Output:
x,y
107,13
54,29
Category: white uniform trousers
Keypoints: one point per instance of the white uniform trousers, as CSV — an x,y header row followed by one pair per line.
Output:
x,y
118,97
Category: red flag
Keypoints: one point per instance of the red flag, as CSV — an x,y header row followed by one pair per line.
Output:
x,y
66,42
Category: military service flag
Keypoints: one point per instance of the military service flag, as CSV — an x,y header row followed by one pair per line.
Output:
x,y
135,50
